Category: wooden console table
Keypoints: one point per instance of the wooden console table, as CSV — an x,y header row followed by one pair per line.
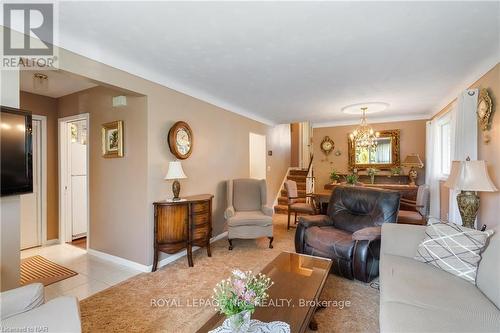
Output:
x,y
181,224
407,191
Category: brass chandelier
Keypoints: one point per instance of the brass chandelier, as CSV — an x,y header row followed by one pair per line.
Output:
x,y
364,136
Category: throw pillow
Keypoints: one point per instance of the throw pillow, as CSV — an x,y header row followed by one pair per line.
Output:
x,y
453,248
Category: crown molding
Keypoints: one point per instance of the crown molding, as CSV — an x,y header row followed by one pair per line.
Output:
x,y
484,68
373,120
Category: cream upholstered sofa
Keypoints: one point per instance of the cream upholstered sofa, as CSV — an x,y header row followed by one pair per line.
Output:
x,y
23,310
418,297
247,214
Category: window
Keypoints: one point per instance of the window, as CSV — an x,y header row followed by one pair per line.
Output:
x,y
444,145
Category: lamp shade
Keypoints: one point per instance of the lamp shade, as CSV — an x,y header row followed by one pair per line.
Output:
x,y
175,171
470,176
413,161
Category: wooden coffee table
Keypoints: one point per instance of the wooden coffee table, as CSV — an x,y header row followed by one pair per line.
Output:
x,y
298,279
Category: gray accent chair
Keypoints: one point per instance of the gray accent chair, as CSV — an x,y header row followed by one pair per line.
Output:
x,y
418,297
247,214
24,308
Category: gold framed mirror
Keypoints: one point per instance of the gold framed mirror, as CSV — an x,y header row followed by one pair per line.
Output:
x,y
385,157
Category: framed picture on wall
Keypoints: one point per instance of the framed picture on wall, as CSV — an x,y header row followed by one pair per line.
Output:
x,y
112,139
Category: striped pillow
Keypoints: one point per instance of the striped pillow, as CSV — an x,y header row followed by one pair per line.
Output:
x,y
453,248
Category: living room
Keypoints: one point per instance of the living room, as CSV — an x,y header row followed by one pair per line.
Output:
x,y
232,106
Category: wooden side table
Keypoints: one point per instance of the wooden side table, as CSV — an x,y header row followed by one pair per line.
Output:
x,y
181,225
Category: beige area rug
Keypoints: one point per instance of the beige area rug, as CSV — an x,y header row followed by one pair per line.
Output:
x,y
38,269
127,307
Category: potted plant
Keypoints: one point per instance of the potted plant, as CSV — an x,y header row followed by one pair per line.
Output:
x,y
371,172
396,171
238,296
334,176
351,179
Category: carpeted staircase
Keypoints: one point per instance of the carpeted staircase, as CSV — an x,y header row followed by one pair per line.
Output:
x,y
298,176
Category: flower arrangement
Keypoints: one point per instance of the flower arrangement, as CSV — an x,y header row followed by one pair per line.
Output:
x,y
351,179
243,291
334,176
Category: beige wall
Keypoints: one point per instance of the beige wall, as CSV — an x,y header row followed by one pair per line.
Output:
x,y
488,211
412,141
220,153
10,207
10,255
278,140
117,186
47,106
490,152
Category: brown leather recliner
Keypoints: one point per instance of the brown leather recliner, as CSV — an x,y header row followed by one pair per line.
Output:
x,y
350,232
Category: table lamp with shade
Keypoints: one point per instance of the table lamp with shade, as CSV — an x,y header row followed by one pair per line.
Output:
x,y
413,161
175,173
469,177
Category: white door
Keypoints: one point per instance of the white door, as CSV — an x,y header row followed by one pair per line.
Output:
x,y
31,209
257,156
78,167
73,168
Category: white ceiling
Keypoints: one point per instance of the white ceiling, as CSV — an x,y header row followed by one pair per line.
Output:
x,y
60,83
281,62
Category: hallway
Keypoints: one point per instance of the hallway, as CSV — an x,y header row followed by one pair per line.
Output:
x,y
93,276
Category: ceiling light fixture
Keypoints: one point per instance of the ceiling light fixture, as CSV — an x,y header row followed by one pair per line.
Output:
x,y
364,136
40,82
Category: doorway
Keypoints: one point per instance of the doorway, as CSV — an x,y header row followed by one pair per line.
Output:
x,y
73,180
257,156
300,145
33,205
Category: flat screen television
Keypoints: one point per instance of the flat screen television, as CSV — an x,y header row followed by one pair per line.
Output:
x,y
16,152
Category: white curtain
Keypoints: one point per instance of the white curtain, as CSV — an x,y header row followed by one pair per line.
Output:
x,y
432,172
384,152
464,139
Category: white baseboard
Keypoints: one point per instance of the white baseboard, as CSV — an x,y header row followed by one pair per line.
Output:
x,y
218,237
147,268
51,242
118,260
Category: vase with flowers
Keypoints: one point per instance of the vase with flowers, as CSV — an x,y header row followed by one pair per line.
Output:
x,y
238,296
372,172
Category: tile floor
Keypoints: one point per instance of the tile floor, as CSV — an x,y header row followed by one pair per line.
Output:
x,y
94,274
